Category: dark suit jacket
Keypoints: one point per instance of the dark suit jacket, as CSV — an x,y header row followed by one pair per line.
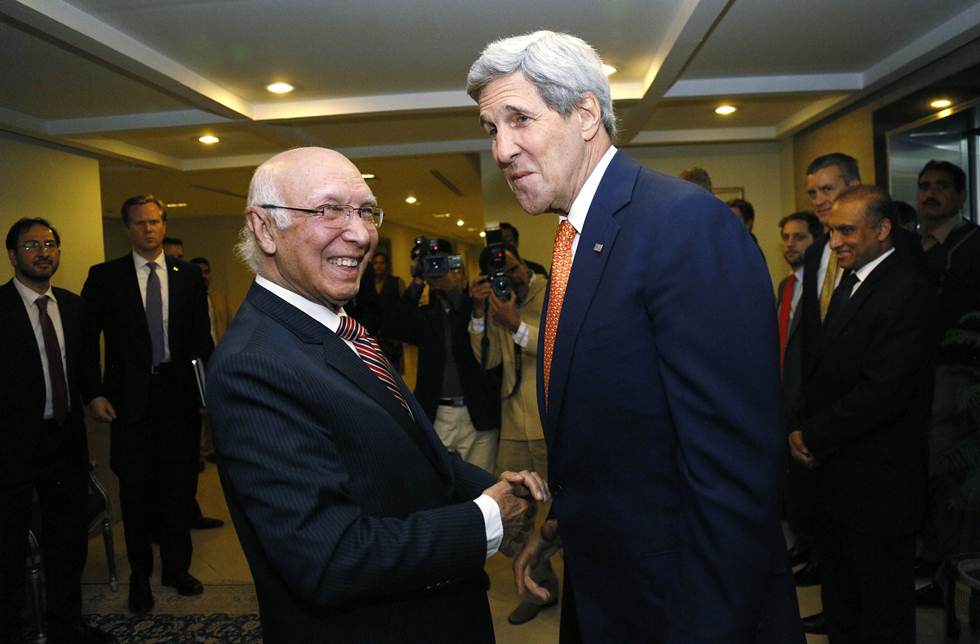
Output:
x,y
664,427
357,523
424,326
114,308
22,386
867,401
793,358
907,245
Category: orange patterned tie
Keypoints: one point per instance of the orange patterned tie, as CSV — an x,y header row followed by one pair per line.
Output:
x,y
561,266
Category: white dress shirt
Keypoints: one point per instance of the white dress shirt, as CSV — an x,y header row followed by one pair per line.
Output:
x,y
863,272
583,200
30,296
142,275
331,319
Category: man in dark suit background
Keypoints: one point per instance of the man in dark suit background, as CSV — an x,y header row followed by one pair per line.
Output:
x,y
153,313
861,426
358,525
659,386
43,446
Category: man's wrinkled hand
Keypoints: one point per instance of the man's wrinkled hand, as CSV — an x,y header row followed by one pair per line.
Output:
x,y
540,546
101,409
512,507
528,484
799,451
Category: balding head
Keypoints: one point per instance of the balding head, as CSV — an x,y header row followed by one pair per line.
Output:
x,y
299,250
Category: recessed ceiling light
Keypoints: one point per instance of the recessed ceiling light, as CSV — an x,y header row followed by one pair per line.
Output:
x,y
483,233
179,204
367,176
725,110
460,223
209,139
608,70
941,103
442,215
410,199
280,88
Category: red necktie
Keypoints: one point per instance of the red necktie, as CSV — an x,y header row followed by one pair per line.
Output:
x,y
785,303
56,370
561,267
370,353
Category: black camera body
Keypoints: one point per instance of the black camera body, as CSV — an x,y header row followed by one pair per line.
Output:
x,y
496,257
432,258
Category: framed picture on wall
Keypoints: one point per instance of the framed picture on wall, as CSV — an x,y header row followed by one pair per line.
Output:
x,y
729,193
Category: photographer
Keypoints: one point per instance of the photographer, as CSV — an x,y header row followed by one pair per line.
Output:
x,y
510,338
450,385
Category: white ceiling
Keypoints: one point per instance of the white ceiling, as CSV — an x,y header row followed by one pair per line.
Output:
x,y
135,82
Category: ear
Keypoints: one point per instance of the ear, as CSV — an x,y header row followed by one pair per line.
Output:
x,y
12,254
884,228
258,222
590,116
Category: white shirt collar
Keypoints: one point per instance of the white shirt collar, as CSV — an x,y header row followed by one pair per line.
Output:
x,y
583,201
30,296
322,314
142,261
863,272
799,274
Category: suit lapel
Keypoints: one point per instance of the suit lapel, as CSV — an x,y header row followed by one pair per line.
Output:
x,y
595,245
841,318
342,359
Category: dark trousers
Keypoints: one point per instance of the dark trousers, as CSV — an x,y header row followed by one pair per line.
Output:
x,y
62,487
868,585
568,629
153,458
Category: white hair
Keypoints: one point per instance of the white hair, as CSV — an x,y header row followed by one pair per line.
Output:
x,y
263,189
562,67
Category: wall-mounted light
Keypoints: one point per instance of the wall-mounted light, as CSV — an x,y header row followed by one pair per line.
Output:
x,y
367,176
209,139
280,88
725,110
940,103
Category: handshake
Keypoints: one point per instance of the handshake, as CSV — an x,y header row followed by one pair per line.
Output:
x,y
517,516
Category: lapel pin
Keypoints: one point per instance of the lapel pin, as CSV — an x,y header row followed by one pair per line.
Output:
x,y
597,248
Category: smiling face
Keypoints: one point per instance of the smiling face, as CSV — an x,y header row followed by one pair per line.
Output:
x,y
854,238
822,187
35,267
323,264
541,153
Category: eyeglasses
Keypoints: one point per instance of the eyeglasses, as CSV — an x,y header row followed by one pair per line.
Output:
x,y
33,245
337,215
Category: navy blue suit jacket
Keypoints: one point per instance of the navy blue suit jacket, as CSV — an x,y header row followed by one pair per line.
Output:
x,y
357,523
664,428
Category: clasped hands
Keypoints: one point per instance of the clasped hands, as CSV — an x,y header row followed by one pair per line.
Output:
x,y
510,493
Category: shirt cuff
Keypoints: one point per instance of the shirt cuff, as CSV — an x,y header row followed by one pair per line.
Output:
x,y
477,325
521,336
491,519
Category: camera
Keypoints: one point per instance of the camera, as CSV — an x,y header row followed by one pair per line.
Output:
x,y
493,260
432,258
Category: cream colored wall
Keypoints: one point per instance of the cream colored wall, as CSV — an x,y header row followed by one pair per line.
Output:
x,y
851,134
38,180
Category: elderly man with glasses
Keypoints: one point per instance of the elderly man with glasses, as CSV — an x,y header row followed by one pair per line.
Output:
x,y
358,525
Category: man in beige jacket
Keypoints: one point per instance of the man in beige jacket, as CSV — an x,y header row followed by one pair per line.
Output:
x,y
511,338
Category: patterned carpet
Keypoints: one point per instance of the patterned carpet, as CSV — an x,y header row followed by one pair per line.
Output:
x,y
225,613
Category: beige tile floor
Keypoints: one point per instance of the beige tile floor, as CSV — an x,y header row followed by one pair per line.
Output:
x,y
218,561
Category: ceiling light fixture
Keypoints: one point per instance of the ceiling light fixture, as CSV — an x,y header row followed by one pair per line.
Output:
x,y
179,204
941,103
367,176
280,88
460,223
209,139
725,110
608,70
442,215
483,233
410,199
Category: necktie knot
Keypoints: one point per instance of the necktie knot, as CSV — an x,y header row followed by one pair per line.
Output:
x,y
350,329
42,303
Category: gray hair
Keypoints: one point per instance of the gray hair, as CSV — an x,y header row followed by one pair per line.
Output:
x,y
263,189
562,67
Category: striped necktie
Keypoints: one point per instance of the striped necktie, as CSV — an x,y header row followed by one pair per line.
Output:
x,y
370,353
